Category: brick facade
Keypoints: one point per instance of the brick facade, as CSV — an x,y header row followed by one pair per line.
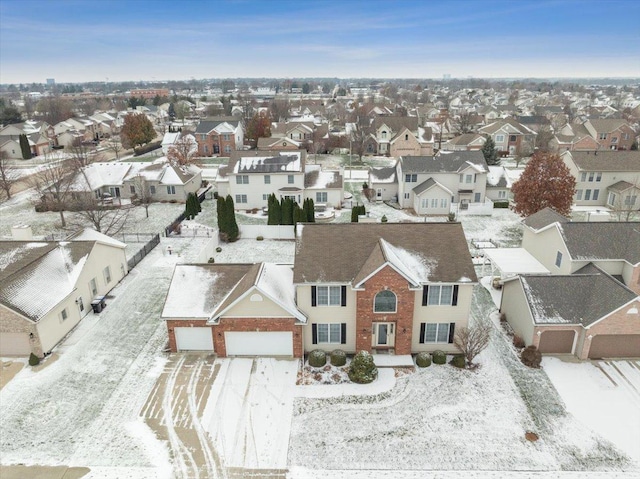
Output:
x,y
239,324
621,322
387,278
215,144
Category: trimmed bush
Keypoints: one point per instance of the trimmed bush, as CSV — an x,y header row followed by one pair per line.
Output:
x,y
260,238
439,357
531,357
33,360
458,361
451,217
500,204
384,219
211,260
338,357
518,342
363,370
317,358
218,249
423,360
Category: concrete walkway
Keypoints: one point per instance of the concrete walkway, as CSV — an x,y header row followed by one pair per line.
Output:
x,y
42,472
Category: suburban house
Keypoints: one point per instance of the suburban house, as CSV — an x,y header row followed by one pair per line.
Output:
x,y
278,144
384,181
606,178
396,135
219,136
394,288
498,184
431,184
46,287
119,180
574,137
324,187
589,305
465,142
251,176
611,134
36,132
510,136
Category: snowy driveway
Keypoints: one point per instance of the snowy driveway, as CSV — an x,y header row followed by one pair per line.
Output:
x,y
604,395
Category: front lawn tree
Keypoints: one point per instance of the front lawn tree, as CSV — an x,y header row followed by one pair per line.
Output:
x,y
489,152
137,130
143,194
472,340
53,182
8,175
25,148
183,152
545,182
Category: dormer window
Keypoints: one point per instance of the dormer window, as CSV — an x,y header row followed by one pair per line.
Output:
x,y
384,135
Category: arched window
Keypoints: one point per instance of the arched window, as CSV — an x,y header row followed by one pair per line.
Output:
x,y
384,135
385,302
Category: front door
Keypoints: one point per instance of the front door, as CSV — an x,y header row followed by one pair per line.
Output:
x,y
383,335
115,191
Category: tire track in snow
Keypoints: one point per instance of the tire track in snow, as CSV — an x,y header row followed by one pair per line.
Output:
x,y
212,461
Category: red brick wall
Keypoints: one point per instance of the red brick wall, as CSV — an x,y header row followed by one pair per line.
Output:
x,y
239,324
387,278
215,139
621,322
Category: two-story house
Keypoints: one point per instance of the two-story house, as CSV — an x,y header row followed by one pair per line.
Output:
x,y
589,303
605,178
392,288
219,136
510,136
431,184
251,176
611,134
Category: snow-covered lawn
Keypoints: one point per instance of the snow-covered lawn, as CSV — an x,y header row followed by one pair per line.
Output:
x,y
604,395
83,409
251,251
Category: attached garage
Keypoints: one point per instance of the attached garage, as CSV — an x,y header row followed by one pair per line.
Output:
x,y
556,342
14,344
615,346
194,339
278,343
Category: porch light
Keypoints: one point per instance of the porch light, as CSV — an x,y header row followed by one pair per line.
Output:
x,y
539,333
30,335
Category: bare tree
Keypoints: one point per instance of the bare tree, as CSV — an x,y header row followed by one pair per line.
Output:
x,y
279,109
53,182
143,194
463,122
83,155
8,175
472,340
318,141
115,145
183,151
107,219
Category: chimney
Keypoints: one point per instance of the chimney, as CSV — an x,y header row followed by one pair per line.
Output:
x,y
21,233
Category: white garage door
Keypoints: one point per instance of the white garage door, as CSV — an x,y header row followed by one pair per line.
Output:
x,y
193,339
259,344
14,344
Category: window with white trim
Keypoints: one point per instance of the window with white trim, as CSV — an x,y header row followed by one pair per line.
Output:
x,y
502,194
599,176
468,179
64,315
596,193
499,138
329,333
328,295
436,333
411,178
107,275
612,199
630,200
265,197
578,195
241,198
132,189
171,190
558,259
80,303
267,179
583,176
587,195
406,196
385,302
242,179
321,197
440,295
227,149
290,179
602,136
93,287
443,203
152,189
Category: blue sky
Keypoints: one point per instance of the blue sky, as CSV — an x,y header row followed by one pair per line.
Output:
x,y
74,41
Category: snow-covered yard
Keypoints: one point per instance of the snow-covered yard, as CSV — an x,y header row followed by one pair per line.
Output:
x,y
603,395
445,419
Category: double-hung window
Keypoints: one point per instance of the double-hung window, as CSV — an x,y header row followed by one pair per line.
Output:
x,y
242,179
171,190
328,296
241,198
435,332
107,275
411,178
267,179
321,197
440,295
329,333
290,179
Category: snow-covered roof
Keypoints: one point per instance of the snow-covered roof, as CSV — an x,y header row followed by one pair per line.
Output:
x,y
512,261
316,178
88,234
194,292
283,162
40,275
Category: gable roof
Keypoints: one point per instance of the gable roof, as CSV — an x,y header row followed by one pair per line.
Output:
x,y
608,125
383,174
316,178
36,275
544,218
396,123
209,124
580,298
444,162
606,160
428,184
242,162
507,124
606,240
442,246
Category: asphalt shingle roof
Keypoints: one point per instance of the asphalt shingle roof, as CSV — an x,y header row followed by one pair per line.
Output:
x,y
449,162
606,160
